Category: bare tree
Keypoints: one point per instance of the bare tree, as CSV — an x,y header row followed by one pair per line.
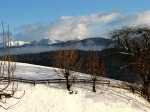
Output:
x,y
95,67
66,60
135,42
7,68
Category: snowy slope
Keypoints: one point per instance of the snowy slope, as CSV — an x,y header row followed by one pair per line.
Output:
x,y
18,43
47,41
15,43
55,97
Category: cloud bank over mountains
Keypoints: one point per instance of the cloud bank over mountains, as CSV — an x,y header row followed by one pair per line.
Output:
x,y
70,27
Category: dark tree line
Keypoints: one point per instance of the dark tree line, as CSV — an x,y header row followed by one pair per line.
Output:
x,y
113,62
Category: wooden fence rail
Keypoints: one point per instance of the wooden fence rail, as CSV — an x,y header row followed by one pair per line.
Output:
x,y
57,80
62,80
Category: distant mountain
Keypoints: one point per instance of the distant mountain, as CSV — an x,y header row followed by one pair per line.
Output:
x,y
46,41
45,44
95,43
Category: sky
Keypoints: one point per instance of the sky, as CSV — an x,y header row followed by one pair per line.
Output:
x,y
31,20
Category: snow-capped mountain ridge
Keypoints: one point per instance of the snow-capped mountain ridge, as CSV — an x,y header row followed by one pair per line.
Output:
x,y
44,45
15,43
47,41
43,41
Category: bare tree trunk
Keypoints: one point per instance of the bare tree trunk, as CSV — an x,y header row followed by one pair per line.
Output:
x,y
7,68
94,81
67,82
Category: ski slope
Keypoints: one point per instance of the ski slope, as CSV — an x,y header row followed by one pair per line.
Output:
x,y
55,97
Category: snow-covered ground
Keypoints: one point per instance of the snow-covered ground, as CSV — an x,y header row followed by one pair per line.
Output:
x,y
55,97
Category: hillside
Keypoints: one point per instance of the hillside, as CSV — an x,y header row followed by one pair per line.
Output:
x,y
55,97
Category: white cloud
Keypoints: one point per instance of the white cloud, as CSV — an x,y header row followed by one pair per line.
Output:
x,y
131,20
68,27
